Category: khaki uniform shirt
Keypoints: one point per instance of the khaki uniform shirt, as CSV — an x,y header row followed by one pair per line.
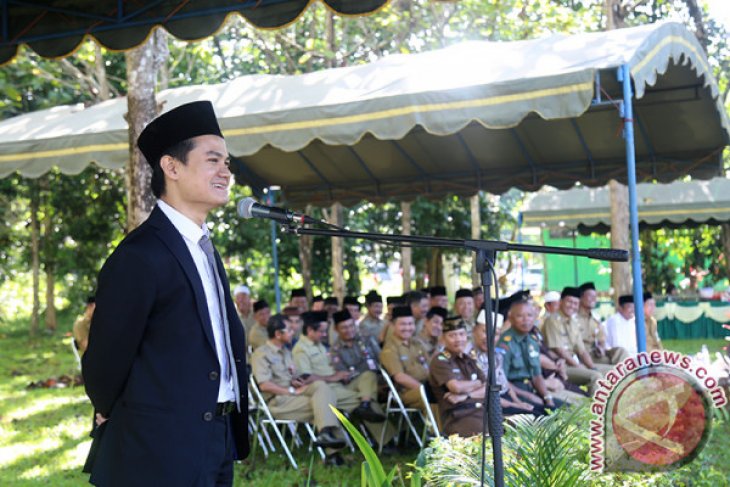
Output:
x,y
653,342
81,332
590,328
431,342
411,359
370,326
361,355
257,336
562,331
312,358
521,355
247,321
273,364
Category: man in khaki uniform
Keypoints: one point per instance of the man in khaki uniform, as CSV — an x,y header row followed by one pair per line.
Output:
x,y
438,297
258,335
83,325
310,357
360,356
286,393
591,329
433,329
464,307
244,307
563,337
372,325
405,358
419,307
653,342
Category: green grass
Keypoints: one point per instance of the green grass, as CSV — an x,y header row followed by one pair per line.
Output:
x,y
44,432
690,347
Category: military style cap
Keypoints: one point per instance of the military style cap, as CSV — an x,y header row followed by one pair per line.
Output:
x,y
452,325
179,124
394,300
625,299
260,304
331,300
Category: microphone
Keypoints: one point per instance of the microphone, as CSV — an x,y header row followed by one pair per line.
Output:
x,y
249,208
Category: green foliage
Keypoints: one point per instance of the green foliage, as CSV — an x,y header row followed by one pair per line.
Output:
x,y
373,473
550,444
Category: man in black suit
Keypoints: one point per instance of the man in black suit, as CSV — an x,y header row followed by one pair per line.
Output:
x,y
165,369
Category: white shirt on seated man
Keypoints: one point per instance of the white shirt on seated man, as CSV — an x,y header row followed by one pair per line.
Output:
x,y
621,327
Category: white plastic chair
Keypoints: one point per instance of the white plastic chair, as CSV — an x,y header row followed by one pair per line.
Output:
x,y
394,405
269,420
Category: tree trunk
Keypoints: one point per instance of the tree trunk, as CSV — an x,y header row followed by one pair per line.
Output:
x,y
725,227
35,249
338,278
49,264
615,15
305,259
143,63
620,271
406,252
100,74
476,234
695,12
435,268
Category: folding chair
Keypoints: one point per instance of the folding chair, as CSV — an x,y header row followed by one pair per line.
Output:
x,y
431,421
269,420
394,405
75,349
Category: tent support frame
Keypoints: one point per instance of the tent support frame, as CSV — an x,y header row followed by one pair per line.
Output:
x,y
624,77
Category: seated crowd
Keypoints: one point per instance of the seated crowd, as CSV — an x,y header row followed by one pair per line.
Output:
x,y
316,354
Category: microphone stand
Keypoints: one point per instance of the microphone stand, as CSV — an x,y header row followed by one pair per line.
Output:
x,y
485,253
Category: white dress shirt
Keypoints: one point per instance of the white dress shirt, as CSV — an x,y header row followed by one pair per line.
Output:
x,y
192,234
621,332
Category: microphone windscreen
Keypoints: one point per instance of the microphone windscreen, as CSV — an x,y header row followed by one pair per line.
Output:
x,y
245,206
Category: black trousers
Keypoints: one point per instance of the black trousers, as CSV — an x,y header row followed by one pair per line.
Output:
x,y
217,467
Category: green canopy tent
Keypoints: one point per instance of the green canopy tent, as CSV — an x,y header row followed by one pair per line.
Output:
x,y
674,205
473,116
55,29
529,113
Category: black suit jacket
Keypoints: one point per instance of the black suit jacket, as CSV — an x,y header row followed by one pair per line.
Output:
x,y
151,366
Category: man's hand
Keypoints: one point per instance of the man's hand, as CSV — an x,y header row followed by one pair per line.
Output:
x,y
454,398
339,376
100,419
524,405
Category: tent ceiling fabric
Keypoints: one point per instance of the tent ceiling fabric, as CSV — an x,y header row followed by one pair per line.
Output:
x,y
56,28
660,205
473,116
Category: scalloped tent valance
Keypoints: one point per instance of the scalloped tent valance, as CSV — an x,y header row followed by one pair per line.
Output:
x,y
679,204
473,116
55,29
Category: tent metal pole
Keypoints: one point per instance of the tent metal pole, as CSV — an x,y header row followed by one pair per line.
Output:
x,y
275,253
624,77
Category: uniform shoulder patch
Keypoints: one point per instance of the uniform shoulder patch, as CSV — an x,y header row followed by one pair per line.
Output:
x,y
442,358
507,338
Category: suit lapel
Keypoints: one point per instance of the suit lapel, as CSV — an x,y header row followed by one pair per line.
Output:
x,y
176,244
